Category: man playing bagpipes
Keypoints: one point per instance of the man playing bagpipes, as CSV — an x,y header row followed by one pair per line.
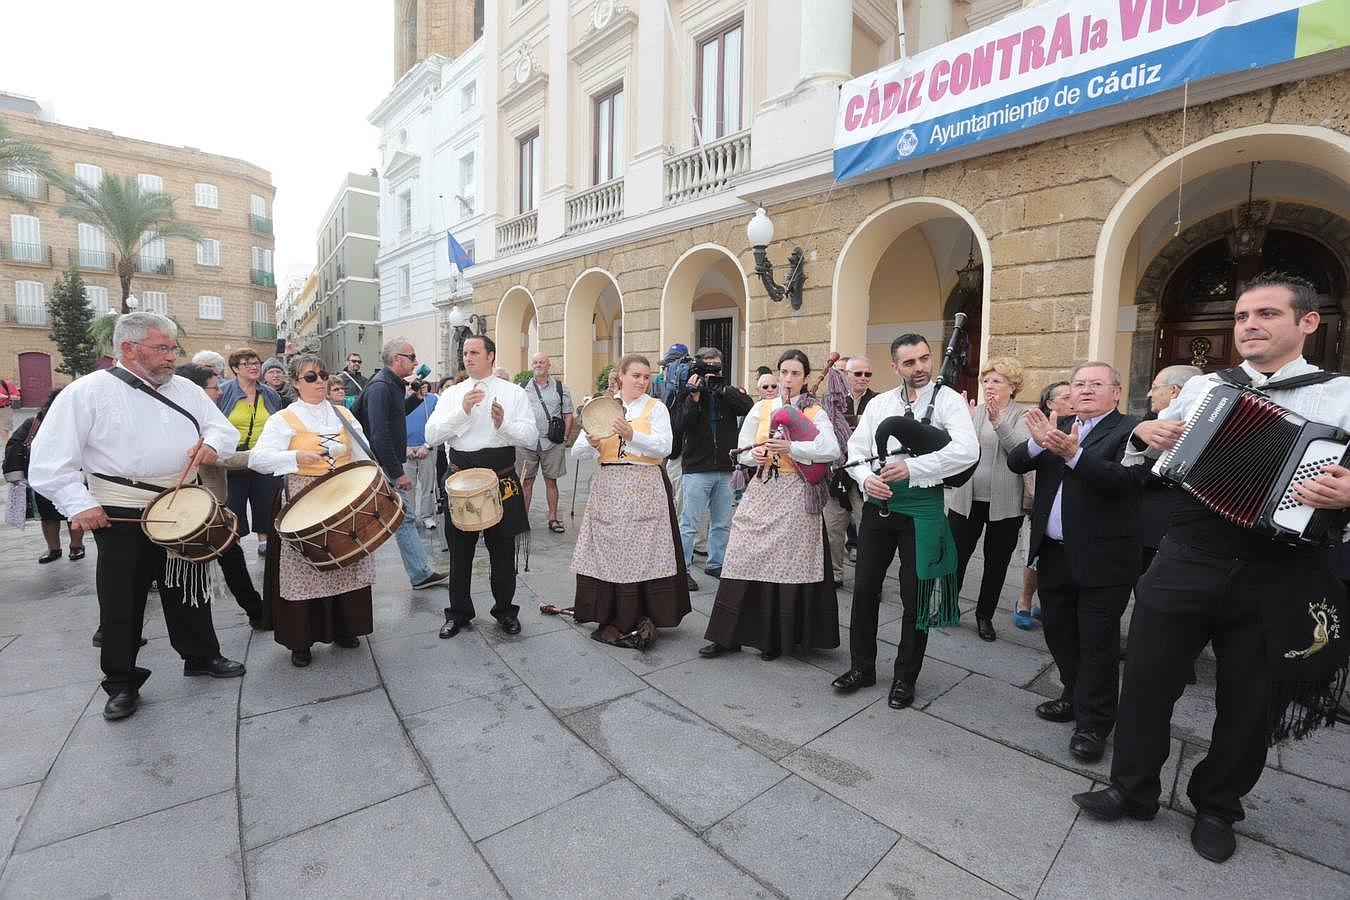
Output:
x,y
903,513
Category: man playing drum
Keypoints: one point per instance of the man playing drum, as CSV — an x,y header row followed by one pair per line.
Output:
x,y
481,421
133,428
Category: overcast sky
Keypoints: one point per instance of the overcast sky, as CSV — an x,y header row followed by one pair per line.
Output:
x,y
283,84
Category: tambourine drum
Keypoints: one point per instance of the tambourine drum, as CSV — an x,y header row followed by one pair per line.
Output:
x,y
475,499
598,416
342,517
190,524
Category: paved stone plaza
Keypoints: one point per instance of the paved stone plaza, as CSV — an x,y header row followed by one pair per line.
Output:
x,y
547,765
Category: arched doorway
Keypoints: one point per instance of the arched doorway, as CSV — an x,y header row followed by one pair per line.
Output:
x,y
900,272
592,329
517,330
703,304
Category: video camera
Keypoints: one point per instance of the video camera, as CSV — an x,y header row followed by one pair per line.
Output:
x,y
709,371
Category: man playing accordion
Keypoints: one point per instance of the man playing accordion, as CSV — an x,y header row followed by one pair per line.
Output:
x,y
1274,612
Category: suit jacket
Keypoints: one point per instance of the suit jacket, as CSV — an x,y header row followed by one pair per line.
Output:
x,y
1100,506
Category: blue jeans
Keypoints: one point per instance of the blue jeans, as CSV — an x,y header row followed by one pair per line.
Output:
x,y
410,547
710,491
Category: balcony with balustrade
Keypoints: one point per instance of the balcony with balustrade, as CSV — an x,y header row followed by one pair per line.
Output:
x,y
262,278
264,331
520,233
28,186
706,170
594,207
26,254
32,316
93,260
160,266
260,224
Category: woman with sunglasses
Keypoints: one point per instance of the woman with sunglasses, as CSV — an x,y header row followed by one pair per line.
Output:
x,y
777,590
303,442
248,403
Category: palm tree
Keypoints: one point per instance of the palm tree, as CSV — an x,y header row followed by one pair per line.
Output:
x,y
24,157
131,219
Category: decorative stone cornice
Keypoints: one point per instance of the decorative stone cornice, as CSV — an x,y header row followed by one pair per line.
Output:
x,y
610,20
527,75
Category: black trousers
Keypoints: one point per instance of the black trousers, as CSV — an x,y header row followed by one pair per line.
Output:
x,y
127,563
235,568
251,491
880,538
1000,540
501,548
1082,630
1185,599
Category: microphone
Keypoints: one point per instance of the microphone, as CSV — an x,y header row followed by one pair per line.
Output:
x,y
960,320
957,328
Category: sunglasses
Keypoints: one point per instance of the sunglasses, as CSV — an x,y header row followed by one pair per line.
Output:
x,y
861,374
410,357
311,376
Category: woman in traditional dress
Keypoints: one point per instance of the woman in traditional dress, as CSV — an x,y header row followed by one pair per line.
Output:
x,y
630,573
305,441
247,401
777,587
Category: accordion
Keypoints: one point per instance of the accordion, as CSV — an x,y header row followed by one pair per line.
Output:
x,y
1240,454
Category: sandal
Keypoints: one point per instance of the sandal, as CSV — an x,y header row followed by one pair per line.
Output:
x,y
555,526
1022,619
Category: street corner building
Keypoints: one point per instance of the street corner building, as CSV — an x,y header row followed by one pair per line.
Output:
x,y
1087,179
221,290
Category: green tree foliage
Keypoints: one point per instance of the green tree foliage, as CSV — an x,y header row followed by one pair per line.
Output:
x,y
602,380
25,157
68,311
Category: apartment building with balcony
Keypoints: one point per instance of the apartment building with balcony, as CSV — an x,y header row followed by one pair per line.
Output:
x,y
222,291
348,290
636,139
432,176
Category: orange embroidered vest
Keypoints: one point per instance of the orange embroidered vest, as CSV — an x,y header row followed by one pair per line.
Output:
x,y
304,439
609,447
785,462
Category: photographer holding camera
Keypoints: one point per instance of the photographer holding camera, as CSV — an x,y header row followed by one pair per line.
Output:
x,y
551,402
706,413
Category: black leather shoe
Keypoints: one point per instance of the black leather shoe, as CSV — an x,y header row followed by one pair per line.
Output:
x,y
218,667
1211,837
349,642
301,658
452,627
986,629
770,655
901,695
1056,710
510,624
120,705
853,679
1087,745
1110,804
714,650
49,556
689,580
76,553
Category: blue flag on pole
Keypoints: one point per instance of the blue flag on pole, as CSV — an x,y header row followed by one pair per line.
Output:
x,y
458,255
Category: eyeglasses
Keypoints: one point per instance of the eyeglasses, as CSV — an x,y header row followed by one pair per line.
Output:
x,y
311,376
410,357
162,349
861,374
250,362
1095,385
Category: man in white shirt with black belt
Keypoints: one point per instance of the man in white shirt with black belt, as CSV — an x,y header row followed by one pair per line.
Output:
x,y
481,421
131,441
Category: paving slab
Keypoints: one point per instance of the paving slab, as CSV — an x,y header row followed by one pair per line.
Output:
x,y
169,752
190,850
916,873
1287,811
1155,859
1322,756
503,758
945,787
1007,714
14,805
273,683
36,660
422,672
406,846
612,842
673,646
397,613
299,767
774,707
691,768
568,671
1004,660
37,724
167,681
802,841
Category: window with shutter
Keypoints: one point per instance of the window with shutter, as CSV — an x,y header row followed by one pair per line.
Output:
x,y
155,302
208,252
209,307
207,195
88,174
25,234
150,184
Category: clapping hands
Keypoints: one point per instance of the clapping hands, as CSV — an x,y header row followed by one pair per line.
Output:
x,y
1045,432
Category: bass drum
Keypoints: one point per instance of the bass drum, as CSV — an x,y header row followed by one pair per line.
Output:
x,y
342,517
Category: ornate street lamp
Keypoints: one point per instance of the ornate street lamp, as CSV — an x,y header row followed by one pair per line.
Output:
x,y
970,277
475,323
760,233
1249,235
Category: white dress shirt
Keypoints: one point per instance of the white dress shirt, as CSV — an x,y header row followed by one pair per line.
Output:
x,y
466,432
100,425
823,448
1054,524
272,456
655,445
950,413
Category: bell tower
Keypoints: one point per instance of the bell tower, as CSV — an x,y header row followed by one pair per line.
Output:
x,y
423,27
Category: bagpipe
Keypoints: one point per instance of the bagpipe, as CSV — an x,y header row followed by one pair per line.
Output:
x,y
788,422
918,437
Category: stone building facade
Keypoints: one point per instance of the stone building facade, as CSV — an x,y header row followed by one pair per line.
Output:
x,y
348,244
223,294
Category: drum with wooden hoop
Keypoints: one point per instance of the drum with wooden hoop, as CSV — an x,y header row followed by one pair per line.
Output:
x,y
342,517
598,416
190,524
475,499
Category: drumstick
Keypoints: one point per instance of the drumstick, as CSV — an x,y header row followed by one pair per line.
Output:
x,y
143,521
549,609
192,454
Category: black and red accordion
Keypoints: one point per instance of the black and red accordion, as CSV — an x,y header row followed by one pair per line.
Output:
x,y
1241,454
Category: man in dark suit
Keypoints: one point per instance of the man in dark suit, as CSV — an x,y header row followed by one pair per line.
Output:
x,y
1085,541
1159,497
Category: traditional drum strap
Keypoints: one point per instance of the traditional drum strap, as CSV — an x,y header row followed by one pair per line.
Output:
x,y
136,384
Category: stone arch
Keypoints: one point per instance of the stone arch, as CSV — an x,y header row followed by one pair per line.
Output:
x,y
592,329
517,329
705,280
891,238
